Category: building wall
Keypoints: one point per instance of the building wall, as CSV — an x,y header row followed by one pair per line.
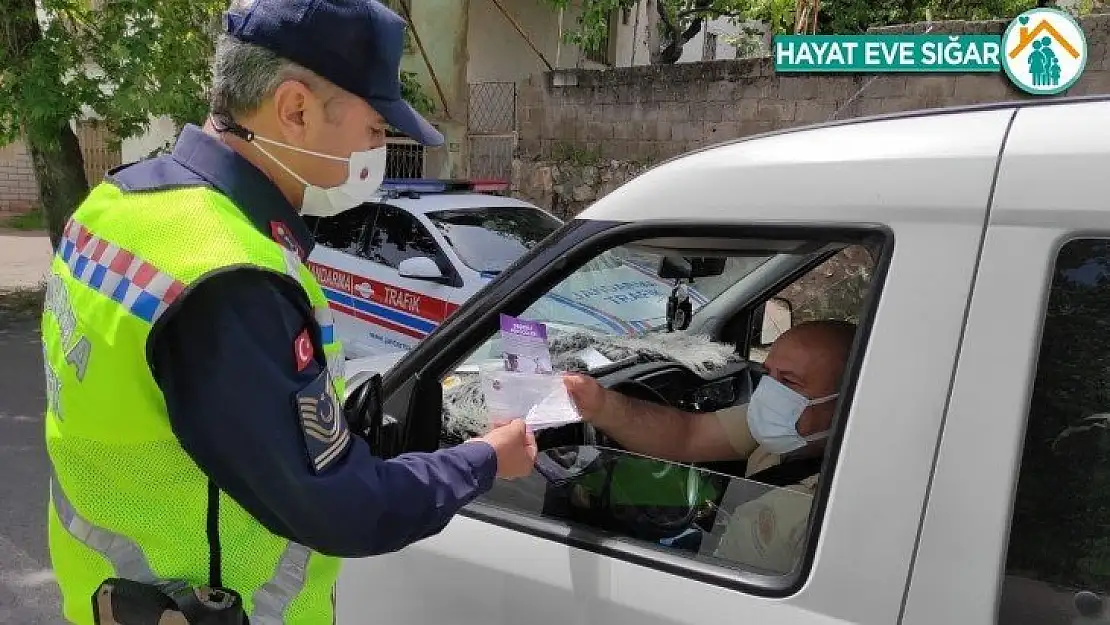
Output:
x,y
498,53
692,51
442,26
18,189
581,140
18,186
160,132
633,34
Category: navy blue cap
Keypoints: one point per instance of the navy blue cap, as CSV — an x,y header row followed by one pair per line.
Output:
x,y
356,44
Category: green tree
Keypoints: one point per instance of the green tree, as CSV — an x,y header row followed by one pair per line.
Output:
x,y
681,20
124,61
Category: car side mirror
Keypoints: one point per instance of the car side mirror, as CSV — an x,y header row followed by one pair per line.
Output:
x,y
367,419
778,317
420,268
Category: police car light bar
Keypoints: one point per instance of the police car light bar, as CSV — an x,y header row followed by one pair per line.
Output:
x,y
434,185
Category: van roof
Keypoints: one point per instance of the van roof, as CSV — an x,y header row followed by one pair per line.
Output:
x,y
935,164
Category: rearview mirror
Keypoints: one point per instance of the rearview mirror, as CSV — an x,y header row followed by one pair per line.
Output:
x,y
420,268
778,317
679,267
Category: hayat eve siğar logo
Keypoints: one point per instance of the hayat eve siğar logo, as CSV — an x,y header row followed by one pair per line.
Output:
x,y
1044,51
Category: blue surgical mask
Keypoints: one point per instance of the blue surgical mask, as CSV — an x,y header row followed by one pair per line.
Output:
x,y
773,414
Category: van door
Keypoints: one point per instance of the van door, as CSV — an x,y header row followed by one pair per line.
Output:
x,y
1016,521
836,553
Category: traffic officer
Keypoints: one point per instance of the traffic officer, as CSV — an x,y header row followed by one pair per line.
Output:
x,y
194,428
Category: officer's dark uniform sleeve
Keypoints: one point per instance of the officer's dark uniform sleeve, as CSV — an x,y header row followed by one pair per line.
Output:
x,y
225,362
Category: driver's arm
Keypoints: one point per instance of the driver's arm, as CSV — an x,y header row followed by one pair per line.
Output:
x,y
652,429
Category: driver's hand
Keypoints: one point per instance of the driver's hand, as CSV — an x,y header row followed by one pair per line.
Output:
x,y
587,394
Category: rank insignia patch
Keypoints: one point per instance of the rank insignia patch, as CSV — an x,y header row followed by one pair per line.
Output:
x,y
326,435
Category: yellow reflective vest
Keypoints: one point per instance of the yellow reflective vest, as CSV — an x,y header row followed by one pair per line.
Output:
x,y
125,499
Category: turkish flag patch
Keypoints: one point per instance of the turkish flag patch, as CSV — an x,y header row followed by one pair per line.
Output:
x,y
303,351
284,236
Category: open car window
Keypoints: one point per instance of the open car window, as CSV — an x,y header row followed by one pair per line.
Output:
x,y
747,514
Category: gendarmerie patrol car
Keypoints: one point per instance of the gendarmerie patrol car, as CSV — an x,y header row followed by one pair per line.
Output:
x,y
394,270
965,478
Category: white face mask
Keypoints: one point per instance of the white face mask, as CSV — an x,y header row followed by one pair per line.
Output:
x,y
773,414
365,173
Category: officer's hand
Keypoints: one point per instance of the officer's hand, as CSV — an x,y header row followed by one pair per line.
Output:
x,y
515,447
587,394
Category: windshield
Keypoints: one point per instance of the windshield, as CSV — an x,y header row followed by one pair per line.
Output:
x,y
490,239
619,293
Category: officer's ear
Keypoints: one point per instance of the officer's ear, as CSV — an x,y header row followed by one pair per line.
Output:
x,y
292,102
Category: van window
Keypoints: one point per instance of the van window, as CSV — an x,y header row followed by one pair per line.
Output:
x,y
749,512
1058,562
835,289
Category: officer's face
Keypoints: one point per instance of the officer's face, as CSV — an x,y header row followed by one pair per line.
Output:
x,y
326,119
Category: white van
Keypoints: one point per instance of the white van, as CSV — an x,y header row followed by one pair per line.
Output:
x,y
967,478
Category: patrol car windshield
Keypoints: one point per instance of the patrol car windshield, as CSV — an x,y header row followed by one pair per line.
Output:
x,y
490,239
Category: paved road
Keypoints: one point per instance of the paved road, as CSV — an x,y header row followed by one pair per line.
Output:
x,y
28,594
24,258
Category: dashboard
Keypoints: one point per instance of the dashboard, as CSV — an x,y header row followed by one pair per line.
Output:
x,y
677,385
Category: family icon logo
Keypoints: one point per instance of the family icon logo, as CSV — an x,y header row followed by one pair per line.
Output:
x,y
1045,51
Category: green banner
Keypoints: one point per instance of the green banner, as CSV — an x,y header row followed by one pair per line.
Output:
x,y
888,53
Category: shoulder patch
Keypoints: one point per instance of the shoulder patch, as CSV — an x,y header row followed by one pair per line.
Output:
x,y
326,435
283,236
303,350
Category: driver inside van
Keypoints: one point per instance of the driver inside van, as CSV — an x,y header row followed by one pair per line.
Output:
x,y
781,433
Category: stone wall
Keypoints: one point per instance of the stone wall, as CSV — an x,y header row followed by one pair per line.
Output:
x,y
583,132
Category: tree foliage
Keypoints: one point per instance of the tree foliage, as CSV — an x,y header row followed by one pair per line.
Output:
x,y
681,20
124,62
852,16
119,61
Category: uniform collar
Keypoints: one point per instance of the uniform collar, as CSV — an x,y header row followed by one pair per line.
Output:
x,y
245,185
